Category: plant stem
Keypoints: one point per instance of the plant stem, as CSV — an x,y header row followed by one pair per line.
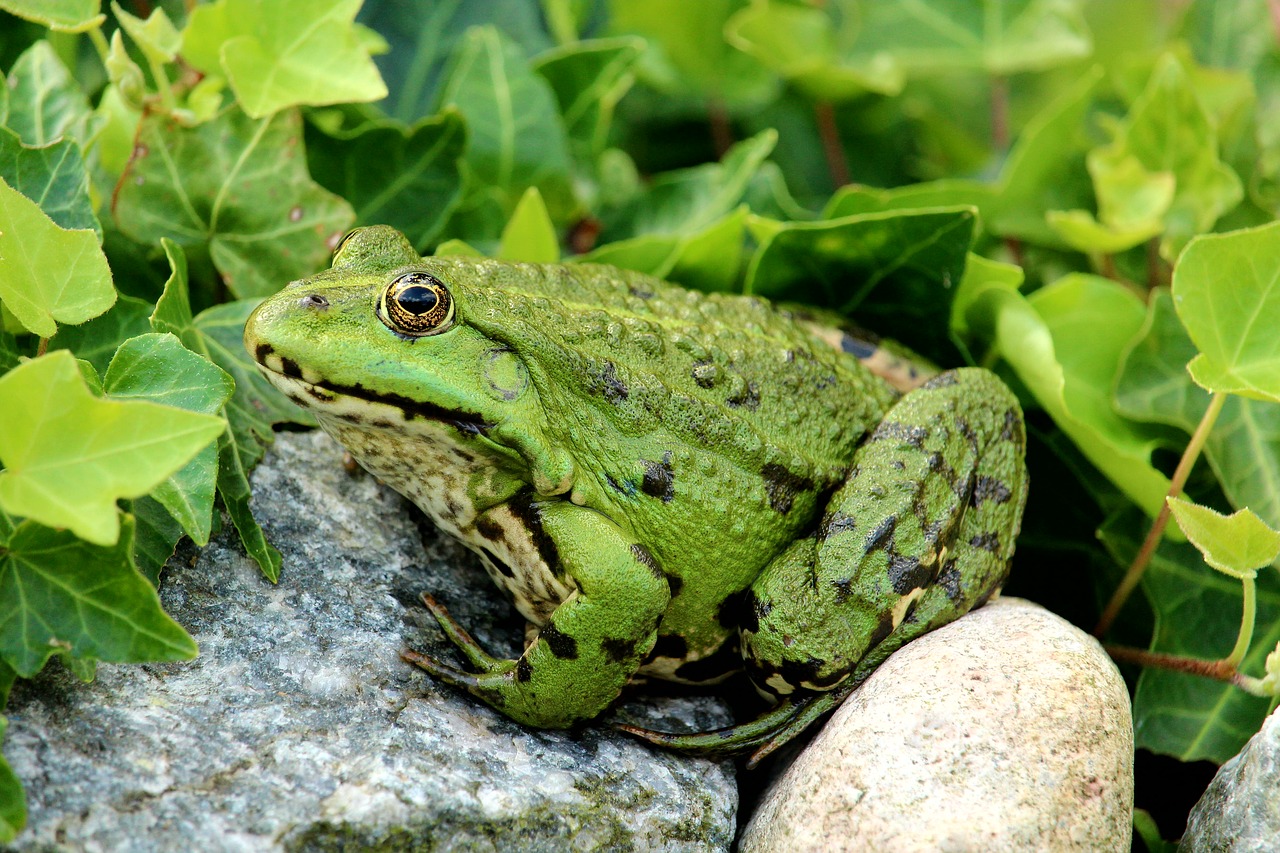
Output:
x,y
1246,622
832,146
1219,670
721,129
1000,113
1148,549
163,85
42,347
100,44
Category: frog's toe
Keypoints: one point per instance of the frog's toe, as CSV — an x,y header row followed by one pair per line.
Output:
x,y
443,671
459,636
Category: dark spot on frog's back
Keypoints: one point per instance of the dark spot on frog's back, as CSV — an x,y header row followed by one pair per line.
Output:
x,y
524,670
617,650
659,478
261,351
669,646
645,558
782,485
529,514
989,489
289,367
894,431
989,541
729,613
614,389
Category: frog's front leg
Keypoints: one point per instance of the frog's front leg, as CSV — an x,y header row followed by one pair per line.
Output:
x,y
595,639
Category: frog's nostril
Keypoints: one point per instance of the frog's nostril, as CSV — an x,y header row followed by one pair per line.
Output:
x,y
313,301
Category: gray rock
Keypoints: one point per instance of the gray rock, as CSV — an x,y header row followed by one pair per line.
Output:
x,y
1008,729
299,727
1240,810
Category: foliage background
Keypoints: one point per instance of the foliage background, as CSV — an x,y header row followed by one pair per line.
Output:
x,y
1003,183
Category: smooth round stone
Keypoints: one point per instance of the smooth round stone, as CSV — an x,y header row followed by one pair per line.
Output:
x,y
1008,729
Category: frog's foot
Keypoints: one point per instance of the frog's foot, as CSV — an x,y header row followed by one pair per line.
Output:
x,y
760,737
466,644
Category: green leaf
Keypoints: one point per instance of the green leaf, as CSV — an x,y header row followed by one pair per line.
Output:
x,y
240,187
156,536
69,455
1226,288
911,259
48,275
13,806
96,341
588,79
517,139
1237,545
53,176
45,102
686,200
284,53
62,595
1064,342
1153,386
530,236
158,368
408,178
1197,615
1168,131
238,451
816,53
68,16
688,56
158,39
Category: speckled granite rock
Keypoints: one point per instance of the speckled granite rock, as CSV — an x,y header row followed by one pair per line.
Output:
x,y
1240,810
1007,730
298,727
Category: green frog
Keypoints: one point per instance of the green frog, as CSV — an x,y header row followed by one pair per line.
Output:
x,y
668,484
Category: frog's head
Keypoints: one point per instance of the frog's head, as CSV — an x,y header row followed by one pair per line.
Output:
x,y
381,340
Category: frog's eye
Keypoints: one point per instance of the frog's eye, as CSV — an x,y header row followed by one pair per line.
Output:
x,y
416,304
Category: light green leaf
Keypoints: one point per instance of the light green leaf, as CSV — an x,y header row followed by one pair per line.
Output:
x,y
816,53
45,102
980,275
1064,342
530,236
1237,545
48,275
1226,288
517,139
68,16
709,259
588,79
284,53
69,455
459,248
62,595
240,187
1153,386
158,368
408,178
1168,131
13,807
156,36
128,85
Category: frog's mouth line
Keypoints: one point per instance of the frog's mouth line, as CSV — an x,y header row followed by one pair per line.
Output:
x,y
288,379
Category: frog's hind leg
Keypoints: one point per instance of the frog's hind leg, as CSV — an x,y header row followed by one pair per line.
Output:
x,y
920,533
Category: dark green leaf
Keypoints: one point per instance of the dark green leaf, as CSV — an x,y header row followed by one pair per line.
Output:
x,y
588,79
156,535
96,340
53,176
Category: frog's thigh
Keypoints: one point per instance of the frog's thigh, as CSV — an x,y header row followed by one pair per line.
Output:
x,y
595,640
920,533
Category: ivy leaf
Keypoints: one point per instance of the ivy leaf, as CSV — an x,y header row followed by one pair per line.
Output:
x,y
53,176
45,103
68,16
530,236
13,807
588,79
48,275
1064,342
96,341
517,139
62,595
156,534
69,455
709,259
1226,288
284,53
1153,386
408,178
1168,131
158,368
239,186
1237,545
1197,614
917,255
158,39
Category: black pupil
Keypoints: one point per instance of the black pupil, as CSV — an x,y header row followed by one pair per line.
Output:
x,y
417,299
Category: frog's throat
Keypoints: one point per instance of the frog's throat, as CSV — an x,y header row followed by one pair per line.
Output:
x,y
364,406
